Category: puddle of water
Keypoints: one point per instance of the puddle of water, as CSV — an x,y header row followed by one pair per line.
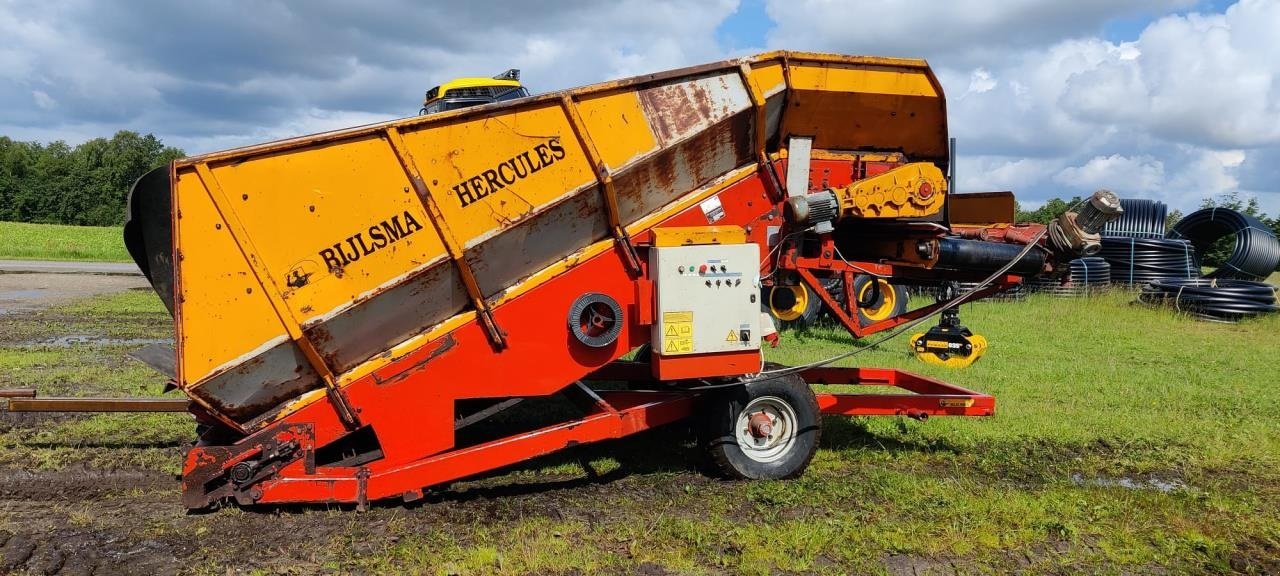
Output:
x,y
68,341
1165,486
22,294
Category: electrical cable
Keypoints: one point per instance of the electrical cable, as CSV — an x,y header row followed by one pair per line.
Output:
x,y
1143,260
1141,219
1213,299
769,374
1017,293
1256,253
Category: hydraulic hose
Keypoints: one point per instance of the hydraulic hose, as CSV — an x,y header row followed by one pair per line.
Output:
x,y
1143,260
1256,254
1141,219
1214,299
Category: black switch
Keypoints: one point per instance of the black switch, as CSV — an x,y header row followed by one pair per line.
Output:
x,y
744,335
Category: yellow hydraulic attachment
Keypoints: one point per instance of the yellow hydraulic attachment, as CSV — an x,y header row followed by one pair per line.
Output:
x,y
949,343
913,190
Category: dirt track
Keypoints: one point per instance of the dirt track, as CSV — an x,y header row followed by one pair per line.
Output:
x,y
32,291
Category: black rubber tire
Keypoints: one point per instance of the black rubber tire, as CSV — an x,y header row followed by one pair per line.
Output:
x,y
899,299
720,441
810,315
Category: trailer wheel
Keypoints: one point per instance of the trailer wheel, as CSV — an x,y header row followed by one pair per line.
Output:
x,y
762,430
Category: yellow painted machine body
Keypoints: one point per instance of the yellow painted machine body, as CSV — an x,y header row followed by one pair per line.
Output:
x,y
308,263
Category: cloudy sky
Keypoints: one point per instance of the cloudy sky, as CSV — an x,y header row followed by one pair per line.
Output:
x,y
1167,99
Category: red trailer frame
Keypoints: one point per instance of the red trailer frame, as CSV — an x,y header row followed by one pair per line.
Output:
x,y
293,477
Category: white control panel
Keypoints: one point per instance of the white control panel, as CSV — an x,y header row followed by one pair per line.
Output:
x,y
708,298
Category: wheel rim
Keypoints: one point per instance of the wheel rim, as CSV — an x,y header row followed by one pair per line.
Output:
x,y
799,302
888,301
766,445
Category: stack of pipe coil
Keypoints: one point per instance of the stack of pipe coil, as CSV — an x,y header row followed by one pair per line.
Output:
x,y
1137,261
1136,248
1221,299
1168,267
1141,219
1256,253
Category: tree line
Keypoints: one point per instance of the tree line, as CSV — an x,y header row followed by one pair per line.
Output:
x,y
1215,256
85,185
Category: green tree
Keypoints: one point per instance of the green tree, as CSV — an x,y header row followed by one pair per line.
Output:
x,y
1171,219
86,185
1047,211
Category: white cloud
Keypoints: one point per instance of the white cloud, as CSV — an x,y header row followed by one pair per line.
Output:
x,y
1040,101
1125,175
1204,80
43,101
954,32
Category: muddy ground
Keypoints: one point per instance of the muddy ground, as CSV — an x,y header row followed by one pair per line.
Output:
x,y
26,291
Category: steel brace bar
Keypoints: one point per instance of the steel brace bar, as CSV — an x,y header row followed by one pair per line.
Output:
x,y
605,180
496,335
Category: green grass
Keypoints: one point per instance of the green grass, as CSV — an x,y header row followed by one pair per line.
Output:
x,y
24,241
1093,395
30,357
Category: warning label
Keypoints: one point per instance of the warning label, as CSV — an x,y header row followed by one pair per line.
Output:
x,y
677,332
732,337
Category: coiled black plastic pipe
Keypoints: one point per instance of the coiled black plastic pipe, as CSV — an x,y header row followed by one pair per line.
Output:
x,y
1141,219
1142,260
1256,254
1217,299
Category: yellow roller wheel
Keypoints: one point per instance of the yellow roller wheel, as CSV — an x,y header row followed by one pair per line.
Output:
x,y
885,308
794,305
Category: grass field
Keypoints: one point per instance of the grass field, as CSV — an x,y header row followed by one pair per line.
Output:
x,y
1127,440
23,241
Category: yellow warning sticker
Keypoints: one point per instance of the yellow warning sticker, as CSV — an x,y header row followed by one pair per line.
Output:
x,y
732,337
677,334
669,317
955,402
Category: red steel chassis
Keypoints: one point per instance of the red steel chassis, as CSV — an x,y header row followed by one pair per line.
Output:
x,y
618,414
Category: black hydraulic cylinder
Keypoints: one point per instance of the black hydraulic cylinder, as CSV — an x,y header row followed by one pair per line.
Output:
x,y
981,256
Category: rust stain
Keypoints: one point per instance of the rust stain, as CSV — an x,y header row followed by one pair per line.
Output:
x,y
675,111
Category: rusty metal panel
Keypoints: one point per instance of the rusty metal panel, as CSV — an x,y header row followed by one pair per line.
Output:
x,y
679,110
389,317
868,106
689,165
539,241
256,386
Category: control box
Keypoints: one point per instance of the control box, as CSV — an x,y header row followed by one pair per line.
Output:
x,y
707,299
